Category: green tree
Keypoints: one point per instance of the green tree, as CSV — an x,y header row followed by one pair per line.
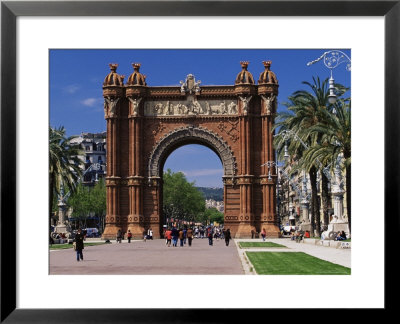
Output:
x,y
99,198
64,163
334,128
305,110
81,204
88,201
213,215
181,199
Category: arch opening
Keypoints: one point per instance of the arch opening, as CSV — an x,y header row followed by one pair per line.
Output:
x,y
202,202
190,135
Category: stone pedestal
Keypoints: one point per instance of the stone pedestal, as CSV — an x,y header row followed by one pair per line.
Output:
x,y
306,227
110,232
336,225
61,226
338,204
305,212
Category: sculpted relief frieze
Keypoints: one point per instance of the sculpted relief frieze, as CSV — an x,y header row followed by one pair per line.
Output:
x,y
190,107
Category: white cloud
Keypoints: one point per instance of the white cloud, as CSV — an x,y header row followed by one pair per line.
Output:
x,y
72,88
91,102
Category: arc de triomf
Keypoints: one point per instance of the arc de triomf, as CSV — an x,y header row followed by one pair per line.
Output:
x,y
146,124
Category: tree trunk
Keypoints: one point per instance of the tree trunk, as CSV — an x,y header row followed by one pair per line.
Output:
x,y
51,197
348,194
315,218
325,198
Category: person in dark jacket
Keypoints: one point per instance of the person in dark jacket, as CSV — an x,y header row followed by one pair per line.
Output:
x,y
210,235
79,237
227,236
175,234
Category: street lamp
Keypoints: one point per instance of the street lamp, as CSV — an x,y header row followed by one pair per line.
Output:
x,y
269,164
333,59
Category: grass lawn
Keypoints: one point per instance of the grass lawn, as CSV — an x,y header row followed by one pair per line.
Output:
x,y
70,246
259,244
293,263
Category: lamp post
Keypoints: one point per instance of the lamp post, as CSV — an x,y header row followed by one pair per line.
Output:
x,y
332,59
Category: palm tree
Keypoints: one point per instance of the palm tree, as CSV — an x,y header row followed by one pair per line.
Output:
x,y
305,113
335,132
64,163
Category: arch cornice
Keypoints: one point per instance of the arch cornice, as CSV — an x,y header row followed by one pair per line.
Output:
x,y
198,135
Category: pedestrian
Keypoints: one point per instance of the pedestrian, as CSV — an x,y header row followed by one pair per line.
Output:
x,y
119,236
150,234
184,234
144,235
175,235
189,235
227,236
263,234
129,236
168,236
79,246
210,236
181,236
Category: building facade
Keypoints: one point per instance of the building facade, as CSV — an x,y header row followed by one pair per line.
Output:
x,y
218,205
294,200
145,124
93,146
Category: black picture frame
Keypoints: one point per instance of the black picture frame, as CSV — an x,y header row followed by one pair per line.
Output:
x,y
10,10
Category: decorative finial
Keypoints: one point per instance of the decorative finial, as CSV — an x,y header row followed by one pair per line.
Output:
x,y
244,64
136,66
267,64
113,67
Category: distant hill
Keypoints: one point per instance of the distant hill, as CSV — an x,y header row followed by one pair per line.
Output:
x,y
212,193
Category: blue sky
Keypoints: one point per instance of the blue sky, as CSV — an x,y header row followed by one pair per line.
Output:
x,y
76,78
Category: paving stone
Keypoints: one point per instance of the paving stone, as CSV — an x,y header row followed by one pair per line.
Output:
x,y
150,257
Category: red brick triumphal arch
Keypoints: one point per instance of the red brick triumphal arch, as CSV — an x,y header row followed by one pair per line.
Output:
x,y
145,124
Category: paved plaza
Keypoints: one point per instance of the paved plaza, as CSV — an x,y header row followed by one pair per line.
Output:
x,y
154,257
150,257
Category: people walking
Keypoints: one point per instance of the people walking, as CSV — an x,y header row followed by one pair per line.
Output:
x,y
144,235
181,237
119,236
150,234
79,246
210,235
168,236
175,235
129,236
189,234
263,234
227,236
184,234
